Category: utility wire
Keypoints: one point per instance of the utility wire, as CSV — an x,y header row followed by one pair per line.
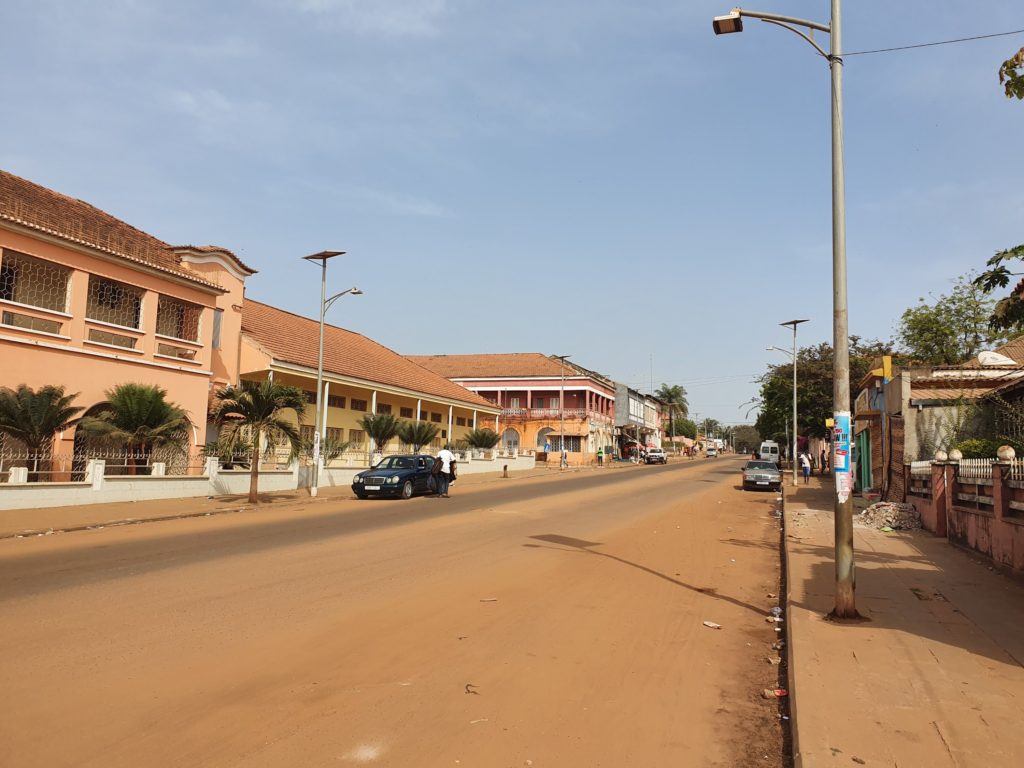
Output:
x,y
941,42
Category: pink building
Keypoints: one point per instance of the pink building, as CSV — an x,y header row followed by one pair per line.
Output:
x,y
88,302
537,395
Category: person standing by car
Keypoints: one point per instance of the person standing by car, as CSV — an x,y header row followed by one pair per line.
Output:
x,y
445,472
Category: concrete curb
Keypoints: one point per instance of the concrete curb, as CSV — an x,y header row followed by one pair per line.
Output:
x,y
794,730
118,522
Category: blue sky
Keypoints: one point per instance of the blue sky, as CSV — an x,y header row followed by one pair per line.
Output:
x,y
601,178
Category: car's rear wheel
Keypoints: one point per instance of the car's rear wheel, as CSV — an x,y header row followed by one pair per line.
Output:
x,y
407,490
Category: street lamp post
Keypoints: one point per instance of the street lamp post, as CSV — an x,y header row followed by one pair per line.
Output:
x,y
793,324
563,461
846,582
323,257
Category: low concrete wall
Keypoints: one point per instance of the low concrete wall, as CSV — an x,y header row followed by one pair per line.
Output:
x,y
98,488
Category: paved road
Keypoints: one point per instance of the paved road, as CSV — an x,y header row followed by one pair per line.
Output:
x,y
545,622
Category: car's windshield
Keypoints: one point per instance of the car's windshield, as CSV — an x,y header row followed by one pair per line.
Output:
x,y
395,462
759,465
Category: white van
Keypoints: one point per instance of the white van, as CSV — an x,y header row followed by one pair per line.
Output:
x,y
769,451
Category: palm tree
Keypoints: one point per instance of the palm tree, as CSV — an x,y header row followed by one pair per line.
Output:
x,y
381,428
255,407
482,438
417,433
32,417
138,418
674,397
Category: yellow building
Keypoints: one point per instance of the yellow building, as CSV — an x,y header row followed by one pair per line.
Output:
x,y
360,377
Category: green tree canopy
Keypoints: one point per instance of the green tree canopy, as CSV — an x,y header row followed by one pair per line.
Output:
x,y
674,398
1008,313
814,388
684,427
256,408
952,328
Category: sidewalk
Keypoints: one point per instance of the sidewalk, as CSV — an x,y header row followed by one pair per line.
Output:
x,y
933,678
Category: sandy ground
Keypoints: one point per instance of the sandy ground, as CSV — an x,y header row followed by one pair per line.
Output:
x,y
555,622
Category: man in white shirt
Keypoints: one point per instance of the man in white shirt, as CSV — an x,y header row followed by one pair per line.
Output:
x,y
447,472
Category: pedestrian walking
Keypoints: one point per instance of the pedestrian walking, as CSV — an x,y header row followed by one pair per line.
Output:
x,y
444,471
805,466
824,461
600,457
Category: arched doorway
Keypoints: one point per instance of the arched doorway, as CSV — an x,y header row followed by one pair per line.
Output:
x,y
510,440
544,439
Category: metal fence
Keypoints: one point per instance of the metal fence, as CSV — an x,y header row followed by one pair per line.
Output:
x,y
67,467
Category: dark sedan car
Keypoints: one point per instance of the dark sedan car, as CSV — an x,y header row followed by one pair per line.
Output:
x,y
403,476
761,474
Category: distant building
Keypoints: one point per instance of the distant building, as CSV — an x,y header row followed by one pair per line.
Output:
x,y
527,387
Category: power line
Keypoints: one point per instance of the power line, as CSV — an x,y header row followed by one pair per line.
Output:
x,y
940,42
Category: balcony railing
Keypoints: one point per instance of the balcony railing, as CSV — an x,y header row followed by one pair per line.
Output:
x,y
553,413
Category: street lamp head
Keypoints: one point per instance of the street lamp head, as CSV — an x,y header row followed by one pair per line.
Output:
x,y
323,256
355,291
793,323
731,22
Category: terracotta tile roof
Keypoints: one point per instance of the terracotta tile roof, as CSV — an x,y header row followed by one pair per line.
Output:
x,y
513,364
1013,349
44,210
217,249
949,393
295,339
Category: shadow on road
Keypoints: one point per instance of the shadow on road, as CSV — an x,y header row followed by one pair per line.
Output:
x,y
569,544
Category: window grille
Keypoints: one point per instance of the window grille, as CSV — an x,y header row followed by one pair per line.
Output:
x,y
179,319
173,350
423,415
460,421
383,408
113,302
306,433
435,417
37,283
358,405
405,413
357,437
18,320
335,401
114,339
310,396
336,434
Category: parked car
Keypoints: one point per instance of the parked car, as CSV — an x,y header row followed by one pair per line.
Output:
x,y
656,456
761,474
403,476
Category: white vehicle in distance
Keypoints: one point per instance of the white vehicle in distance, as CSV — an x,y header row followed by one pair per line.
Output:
x,y
711,452
769,451
656,456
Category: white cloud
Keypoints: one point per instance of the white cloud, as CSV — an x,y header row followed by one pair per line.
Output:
x,y
370,198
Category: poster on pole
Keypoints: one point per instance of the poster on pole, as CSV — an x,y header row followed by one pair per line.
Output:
x,y
841,456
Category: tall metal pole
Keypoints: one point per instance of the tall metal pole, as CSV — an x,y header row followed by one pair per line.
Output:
x,y
562,462
846,580
794,407
315,486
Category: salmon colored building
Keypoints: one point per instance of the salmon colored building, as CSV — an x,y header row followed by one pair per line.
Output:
x,y
360,377
537,395
88,302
